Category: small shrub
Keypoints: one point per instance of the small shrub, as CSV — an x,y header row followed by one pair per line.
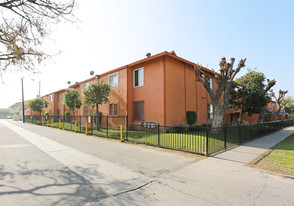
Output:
x,y
191,117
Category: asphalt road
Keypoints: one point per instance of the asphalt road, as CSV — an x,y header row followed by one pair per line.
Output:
x,y
44,166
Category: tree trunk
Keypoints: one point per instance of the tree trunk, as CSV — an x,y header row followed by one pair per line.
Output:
x,y
276,116
97,118
218,120
261,115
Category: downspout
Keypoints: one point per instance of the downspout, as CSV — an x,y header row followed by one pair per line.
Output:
x,y
185,93
164,92
127,100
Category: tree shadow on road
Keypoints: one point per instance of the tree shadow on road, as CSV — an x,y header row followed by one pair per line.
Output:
x,y
47,187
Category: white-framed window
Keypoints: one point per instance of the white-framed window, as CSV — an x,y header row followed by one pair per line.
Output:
x,y
50,98
139,77
209,111
113,80
113,109
211,83
86,85
58,97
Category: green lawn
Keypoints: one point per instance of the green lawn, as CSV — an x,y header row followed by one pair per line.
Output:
x,y
281,158
187,139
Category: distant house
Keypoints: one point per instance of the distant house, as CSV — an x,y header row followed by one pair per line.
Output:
x,y
5,113
17,111
272,108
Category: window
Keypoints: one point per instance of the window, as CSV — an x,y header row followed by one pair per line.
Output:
x,y
113,80
139,77
113,109
209,111
86,85
58,112
58,97
274,105
50,98
211,83
138,111
86,111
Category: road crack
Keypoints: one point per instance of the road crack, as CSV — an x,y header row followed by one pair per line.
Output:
x,y
261,191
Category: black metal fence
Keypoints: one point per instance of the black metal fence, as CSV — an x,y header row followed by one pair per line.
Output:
x,y
102,126
200,140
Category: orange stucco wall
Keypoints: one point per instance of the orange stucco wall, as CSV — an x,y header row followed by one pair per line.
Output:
x,y
246,118
272,105
184,93
118,94
152,93
50,108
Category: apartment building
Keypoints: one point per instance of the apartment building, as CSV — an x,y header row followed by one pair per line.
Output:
x,y
160,88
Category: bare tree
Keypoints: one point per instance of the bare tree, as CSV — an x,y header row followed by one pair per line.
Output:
x,y
24,24
219,98
279,100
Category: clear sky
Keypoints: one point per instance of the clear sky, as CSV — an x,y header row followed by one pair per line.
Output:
x,y
113,33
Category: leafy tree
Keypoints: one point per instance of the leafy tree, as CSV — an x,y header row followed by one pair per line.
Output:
x,y
72,100
220,97
279,100
24,25
288,104
95,94
249,93
37,105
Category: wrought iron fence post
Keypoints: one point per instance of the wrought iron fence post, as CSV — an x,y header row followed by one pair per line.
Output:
x,y
92,119
250,131
107,126
225,137
80,124
158,134
206,150
240,139
127,125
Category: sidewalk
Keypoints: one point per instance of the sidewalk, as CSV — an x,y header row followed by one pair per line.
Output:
x,y
245,153
220,180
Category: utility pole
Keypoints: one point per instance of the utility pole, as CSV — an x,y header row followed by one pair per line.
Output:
x,y
23,114
39,89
